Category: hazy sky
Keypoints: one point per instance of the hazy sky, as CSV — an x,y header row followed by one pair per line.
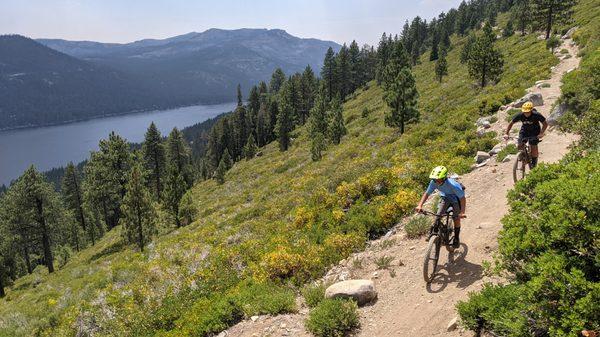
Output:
x,y
130,20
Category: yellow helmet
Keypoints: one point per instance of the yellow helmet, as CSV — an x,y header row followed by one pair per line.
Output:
x,y
527,107
439,172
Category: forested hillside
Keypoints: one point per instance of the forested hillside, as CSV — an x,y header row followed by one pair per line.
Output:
x,y
204,67
151,243
41,86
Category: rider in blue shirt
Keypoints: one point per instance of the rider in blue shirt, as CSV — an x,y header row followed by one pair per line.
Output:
x,y
452,195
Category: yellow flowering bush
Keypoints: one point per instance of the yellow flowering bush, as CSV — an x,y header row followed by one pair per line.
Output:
x,y
304,216
342,245
377,182
338,215
282,264
400,204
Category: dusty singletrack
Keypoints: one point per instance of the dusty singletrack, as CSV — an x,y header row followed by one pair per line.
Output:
x,y
405,305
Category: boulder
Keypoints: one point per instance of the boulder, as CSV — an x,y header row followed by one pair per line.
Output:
x,y
452,325
535,98
496,149
481,157
483,121
556,114
362,291
539,82
569,33
507,158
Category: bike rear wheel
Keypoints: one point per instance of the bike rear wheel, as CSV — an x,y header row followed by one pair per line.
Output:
x,y
432,256
519,167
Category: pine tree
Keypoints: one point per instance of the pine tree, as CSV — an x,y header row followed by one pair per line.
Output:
x,y
441,67
154,159
220,173
434,49
277,80
462,20
178,154
317,124
226,159
106,176
73,196
401,96
15,232
139,215
284,119
262,125
337,129
466,51
356,66
383,53
485,62
187,210
240,101
548,13
328,72
400,92
250,148
175,188
254,101
521,12
342,72
308,86
397,60
38,201
508,30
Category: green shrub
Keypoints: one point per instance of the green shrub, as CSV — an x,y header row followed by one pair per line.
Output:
x,y
384,262
263,298
549,244
552,43
509,149
333,318
546,85
365,112
495,308
313,294
564,51
417,226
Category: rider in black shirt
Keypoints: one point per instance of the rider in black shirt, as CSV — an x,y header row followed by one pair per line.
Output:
x,y
530,129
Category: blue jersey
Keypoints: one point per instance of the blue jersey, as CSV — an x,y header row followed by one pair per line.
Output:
x,y
450,189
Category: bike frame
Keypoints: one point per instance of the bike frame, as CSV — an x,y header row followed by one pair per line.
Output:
x,y
440,227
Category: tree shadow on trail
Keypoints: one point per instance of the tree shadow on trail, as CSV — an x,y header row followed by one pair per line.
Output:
x,y
459,271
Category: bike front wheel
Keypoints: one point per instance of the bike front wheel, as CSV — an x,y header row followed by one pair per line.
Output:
x,y
432,256
519,167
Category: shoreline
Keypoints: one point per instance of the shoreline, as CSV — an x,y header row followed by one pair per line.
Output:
x,y
133,112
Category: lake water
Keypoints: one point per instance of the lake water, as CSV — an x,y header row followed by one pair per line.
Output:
x,y
54,146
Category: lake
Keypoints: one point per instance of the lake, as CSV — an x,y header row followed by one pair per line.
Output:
x,y
54,146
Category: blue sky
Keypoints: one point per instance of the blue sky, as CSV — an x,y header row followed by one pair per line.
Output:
x,y
130,20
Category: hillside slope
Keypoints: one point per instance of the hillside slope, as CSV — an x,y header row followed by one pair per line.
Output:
x,y
406,306
274,209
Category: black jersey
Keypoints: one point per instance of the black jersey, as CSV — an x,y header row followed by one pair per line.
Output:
x,y
531,125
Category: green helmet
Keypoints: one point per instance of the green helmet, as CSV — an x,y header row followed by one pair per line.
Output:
x,y
440,172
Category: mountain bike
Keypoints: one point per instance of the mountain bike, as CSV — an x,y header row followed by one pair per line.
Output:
x,y
440,233
523,161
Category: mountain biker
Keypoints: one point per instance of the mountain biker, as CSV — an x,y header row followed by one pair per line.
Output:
x,y
530,129
452,195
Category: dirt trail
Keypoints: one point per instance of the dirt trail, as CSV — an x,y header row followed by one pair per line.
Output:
x,y
406,307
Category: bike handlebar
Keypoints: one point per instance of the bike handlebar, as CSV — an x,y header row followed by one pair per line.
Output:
x,y
424,212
